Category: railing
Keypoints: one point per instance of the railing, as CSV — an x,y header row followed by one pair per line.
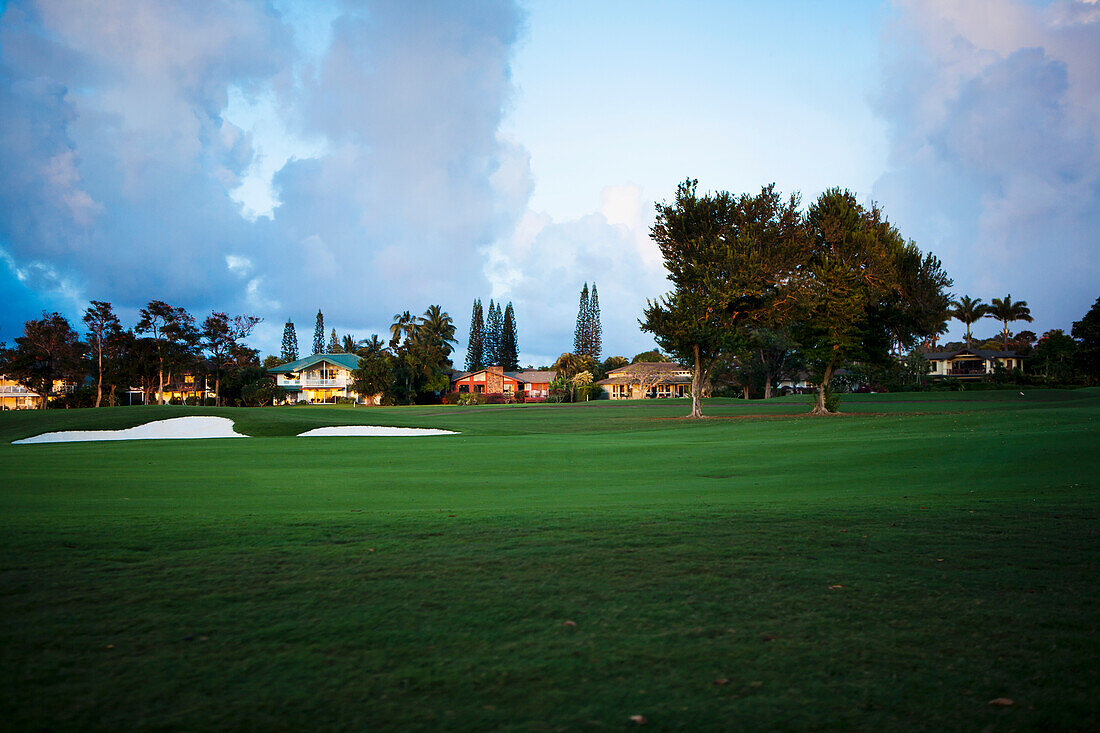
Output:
x,y
343,382
17,390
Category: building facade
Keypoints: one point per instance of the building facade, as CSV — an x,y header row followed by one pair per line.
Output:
x,y
971,363
320,378
525,385
648,380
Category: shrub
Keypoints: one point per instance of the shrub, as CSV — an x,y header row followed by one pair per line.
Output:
x,y
341,400
498,398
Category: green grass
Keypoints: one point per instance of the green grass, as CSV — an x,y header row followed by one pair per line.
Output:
x,y
390,583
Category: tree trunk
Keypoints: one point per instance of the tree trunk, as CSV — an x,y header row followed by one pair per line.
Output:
x,y
696,386
99,384
160,387
744,391
217,391
767,385
819,405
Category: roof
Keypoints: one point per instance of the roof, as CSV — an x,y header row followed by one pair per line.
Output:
x,y
981,353
628,379
648,368
348,361
532,375
536,376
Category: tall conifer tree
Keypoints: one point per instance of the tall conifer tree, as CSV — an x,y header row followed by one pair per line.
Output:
x,y
493,325
583,333
595,330
319,334
333,344
475,348
290,343
509,349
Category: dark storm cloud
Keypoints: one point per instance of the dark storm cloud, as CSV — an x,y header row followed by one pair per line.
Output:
x,y
993,113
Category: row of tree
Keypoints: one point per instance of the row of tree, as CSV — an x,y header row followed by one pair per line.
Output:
x,y
588,335
969,311
838,281
165,339
494,339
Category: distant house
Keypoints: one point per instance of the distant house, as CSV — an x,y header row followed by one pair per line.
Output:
x,y
320,378
647,380
530,384
14,396
971,363
186,386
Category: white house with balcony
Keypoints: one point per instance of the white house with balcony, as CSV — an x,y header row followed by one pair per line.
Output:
x,y
320,378
971,363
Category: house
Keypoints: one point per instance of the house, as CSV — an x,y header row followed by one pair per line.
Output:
x,y
320,378
182,387
647,380
525,385
970,363
14,396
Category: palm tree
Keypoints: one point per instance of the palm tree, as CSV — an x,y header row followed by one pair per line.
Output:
x,y
1006,312
437,326
403,324
968,311
371,347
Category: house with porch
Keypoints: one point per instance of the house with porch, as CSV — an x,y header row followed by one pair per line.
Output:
x,y
14,396
531,384
320,378
648,380
971,363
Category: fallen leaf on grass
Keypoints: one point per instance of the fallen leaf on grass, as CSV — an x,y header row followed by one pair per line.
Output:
x,y
835,587
639,719
768,637
1003,702
570,623
721,681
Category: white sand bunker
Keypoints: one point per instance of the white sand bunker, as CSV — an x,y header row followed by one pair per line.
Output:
x,y
371,431
174,428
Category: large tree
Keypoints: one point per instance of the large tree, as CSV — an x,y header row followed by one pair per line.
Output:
x,y
582,333
475,347
853,267
1006,311
333,344
494,324
319,333
290,343
595,329
48,351
1087,333
968,311
221,339
374,375
509,349
173,332
103,327
732,262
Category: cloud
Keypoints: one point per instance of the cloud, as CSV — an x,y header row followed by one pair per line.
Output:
x,y
384,173
544,264
994,115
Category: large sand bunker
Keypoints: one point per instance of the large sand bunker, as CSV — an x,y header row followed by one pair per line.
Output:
x,y
368,431
172,429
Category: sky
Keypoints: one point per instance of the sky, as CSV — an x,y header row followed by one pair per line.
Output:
x,y
367,158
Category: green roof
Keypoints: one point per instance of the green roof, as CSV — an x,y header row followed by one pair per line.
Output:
x,y
348,361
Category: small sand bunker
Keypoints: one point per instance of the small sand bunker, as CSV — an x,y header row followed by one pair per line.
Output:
x,y
371,431
175,428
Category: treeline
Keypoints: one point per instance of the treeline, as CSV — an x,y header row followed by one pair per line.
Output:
x,y
166,341
837,284
414,366
494,338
